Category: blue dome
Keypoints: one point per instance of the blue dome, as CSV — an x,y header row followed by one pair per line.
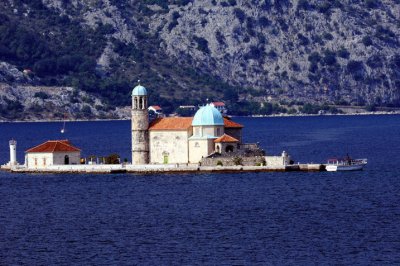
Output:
x,y
139,90
208,116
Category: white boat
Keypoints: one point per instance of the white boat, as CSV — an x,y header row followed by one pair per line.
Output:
x,y
347,164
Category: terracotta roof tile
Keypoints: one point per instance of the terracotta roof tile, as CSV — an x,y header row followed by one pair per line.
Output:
x,y
225,139
171,123
230,124
156,107
54,146
218,104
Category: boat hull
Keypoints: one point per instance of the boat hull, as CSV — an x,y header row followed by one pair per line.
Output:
x,y
334,168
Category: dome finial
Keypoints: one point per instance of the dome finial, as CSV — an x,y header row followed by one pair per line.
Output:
x,y
138,81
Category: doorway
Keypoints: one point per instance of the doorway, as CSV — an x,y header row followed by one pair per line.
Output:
x,y
165,159
66,159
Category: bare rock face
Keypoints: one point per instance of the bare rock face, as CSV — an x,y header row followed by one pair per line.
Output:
x,y
27,103
344,52
94,13
317,50
9,73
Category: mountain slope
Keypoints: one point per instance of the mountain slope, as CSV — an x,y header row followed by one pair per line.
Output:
x,y
343,52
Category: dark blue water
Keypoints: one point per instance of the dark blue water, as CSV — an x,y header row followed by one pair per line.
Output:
x,y
222,219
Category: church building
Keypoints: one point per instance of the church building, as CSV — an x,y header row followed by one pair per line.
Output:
x,y
176,140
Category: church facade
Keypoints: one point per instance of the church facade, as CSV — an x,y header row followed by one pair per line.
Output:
x,y
180,140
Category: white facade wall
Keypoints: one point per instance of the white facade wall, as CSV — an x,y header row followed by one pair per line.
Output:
x,y
199,148
38,160
169,147
200,131
41,160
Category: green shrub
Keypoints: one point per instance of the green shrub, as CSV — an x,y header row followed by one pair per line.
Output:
x,y
240,15
303,40
42,95
372,3
343,53
202,44
329,58
367,41
219,163
238,161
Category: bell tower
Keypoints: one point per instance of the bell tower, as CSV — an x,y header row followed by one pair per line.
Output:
x,y
140,126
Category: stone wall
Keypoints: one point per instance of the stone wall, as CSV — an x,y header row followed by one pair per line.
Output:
x,y
169,146
231,161
273,161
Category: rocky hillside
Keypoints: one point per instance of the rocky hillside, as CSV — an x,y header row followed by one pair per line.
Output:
x,y
36,102
184,51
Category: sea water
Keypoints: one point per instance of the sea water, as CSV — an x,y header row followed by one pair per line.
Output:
x,y
220,219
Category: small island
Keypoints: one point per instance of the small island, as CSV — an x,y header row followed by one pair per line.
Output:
x,y
203,143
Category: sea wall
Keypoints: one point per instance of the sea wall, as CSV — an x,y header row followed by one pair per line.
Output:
x,y
232,161
272,161
158,168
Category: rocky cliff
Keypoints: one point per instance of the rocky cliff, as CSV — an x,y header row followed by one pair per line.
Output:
x,y
343,52
21,99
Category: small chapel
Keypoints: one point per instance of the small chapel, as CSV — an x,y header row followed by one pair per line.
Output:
x,y
180,140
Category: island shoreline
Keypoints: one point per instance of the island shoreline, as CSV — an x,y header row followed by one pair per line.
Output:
x,y
254,116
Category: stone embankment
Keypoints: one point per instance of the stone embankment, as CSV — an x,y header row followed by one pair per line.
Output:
x,y
166,169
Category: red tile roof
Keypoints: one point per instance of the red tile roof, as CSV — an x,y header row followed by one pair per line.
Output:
x,y
230,124
156,107
183,123
54,146
226,139
218,104
171,123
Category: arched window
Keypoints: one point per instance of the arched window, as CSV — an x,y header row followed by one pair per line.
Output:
x,y
218,131
66,159
229,148
140,104
196,144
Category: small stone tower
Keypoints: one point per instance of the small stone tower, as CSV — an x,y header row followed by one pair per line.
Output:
x,y
140,126
13,152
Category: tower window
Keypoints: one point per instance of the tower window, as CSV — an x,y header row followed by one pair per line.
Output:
x,y
136,102
140,104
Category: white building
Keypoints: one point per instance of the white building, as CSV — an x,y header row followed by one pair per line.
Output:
x,y
220,107
156,109
184,140
52,152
